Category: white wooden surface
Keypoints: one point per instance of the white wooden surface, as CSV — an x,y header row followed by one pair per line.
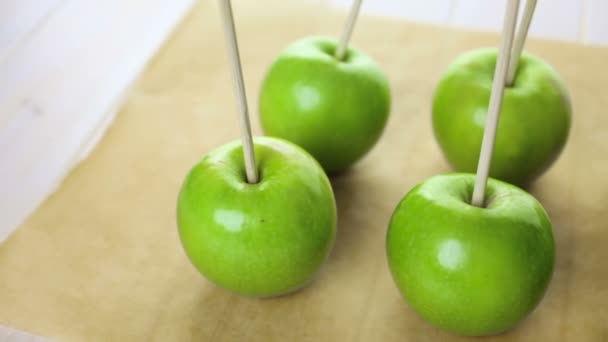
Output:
x,y
20,18
595,24
64,66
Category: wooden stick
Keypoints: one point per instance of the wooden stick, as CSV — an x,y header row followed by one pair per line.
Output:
x,y
348,29
520,40
498,87
239,86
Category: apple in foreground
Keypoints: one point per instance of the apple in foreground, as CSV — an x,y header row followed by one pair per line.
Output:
x,y
334,109
262,239
466,269
533,125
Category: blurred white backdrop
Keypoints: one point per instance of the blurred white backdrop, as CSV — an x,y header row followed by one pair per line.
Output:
x,y
583,21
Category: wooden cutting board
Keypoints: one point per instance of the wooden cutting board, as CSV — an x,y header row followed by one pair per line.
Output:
x,y
100,260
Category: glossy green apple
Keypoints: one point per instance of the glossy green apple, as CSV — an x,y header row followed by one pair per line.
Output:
x,y
262,239
534,122
466,269
334,109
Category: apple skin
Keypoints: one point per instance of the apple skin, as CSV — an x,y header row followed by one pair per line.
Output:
x,y
336,110
470,270
262,239
533,125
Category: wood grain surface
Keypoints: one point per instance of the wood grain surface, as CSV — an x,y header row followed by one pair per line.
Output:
x,y
100,260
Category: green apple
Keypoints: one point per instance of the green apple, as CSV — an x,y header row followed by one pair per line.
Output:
x,y
534,121
467,269
334,109
262,239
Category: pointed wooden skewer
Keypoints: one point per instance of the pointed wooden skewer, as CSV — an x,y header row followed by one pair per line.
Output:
x,y
498,87
348,29
520,40
239,86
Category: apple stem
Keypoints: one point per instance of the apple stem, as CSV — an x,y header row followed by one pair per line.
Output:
x,y
498,87
239,86
520,40
348,29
